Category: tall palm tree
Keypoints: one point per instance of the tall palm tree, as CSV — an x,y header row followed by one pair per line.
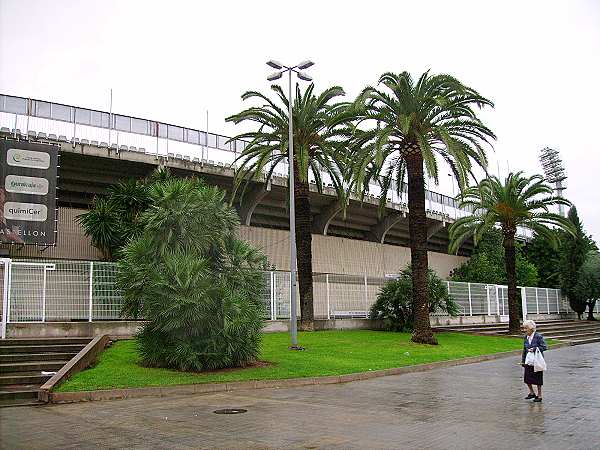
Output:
x,y
519,201
317,150
406,125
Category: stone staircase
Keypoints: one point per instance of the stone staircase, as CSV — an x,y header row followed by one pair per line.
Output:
x,y
26,364
574,332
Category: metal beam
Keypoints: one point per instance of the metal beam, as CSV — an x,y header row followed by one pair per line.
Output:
x,y
321,222
250,201
433,229
381,228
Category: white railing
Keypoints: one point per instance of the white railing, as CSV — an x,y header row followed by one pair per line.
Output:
x,y
65,291
30,118
42,120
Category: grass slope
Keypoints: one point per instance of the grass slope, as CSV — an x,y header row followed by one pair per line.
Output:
x,y
328,353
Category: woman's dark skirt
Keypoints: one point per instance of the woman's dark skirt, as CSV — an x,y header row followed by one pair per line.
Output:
x,y
532,377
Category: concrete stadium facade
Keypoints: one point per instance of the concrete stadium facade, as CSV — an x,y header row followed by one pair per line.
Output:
x,y
360,243
99,148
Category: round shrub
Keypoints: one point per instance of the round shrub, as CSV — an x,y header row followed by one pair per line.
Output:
x,y
394,304
198,286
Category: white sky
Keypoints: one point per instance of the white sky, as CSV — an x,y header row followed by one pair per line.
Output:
x,y
173,60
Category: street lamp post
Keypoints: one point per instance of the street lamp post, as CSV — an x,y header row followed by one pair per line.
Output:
x,y
281,69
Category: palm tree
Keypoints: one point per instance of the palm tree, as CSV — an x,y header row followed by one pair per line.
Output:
x,y
317,150
408,124
518,202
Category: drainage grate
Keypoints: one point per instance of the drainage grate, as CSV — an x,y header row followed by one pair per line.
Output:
x,y
230,411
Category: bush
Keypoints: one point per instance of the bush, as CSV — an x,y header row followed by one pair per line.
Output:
x,y
487,264
198,285
394,304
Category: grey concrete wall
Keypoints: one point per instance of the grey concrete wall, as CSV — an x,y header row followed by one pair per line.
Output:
x,y
126,329
115,329
71,243
345,256
330,254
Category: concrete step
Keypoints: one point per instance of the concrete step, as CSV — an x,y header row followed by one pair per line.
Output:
x,y
31,366
20,402
25,357
53,348
18,393
29,378
541,328
500,323
584,334
505,324
46,341
584,341
547,331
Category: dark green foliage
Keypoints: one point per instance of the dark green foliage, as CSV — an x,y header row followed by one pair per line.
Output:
x,y
487,264
588,284
395,304
517,201
574,250
546,258
404,127
198,285
116,218
319,147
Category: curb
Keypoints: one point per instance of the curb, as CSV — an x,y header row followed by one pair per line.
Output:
x,y
80,361
209,388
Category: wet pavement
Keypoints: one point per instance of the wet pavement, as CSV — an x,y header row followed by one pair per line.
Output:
x,y
465,407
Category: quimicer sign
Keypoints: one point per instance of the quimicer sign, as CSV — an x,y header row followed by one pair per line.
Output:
x,y
28,192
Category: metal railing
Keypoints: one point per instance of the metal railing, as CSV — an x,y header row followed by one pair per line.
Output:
x,y
30,118
65,291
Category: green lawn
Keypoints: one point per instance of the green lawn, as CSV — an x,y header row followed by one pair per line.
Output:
x,y
328,353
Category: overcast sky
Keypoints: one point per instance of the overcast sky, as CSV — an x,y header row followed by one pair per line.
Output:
x,y
173,60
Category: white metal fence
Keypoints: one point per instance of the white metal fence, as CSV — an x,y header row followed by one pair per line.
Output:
x,y
64,291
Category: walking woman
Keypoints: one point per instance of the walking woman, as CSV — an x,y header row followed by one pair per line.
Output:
x,y
532,342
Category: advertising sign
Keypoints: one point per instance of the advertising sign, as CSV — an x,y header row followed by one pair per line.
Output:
x,y
28,174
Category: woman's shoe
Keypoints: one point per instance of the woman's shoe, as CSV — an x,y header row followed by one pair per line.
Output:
x,y
530,396
537,399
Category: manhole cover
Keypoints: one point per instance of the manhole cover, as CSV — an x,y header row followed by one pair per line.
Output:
x,y
230,411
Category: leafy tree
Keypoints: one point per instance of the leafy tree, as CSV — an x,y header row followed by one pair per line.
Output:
x,y
574,250
197,285
486,264
405,124
116,218
588,285
519,201
395,304
546,259
317,148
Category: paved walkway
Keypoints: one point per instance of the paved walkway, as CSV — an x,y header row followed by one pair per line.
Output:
x,y
466,407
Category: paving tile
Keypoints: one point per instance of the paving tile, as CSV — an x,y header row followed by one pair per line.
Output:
x,y
460,407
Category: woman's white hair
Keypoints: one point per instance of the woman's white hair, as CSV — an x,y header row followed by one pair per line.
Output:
x,y
529,324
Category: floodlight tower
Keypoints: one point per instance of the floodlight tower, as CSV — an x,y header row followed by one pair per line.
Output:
x,y
554,171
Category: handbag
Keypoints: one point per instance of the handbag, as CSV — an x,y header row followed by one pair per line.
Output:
x,y
539,363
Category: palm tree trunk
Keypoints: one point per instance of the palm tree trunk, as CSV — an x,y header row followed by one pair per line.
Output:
x,y
304,251
510,260
417,227
591,305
